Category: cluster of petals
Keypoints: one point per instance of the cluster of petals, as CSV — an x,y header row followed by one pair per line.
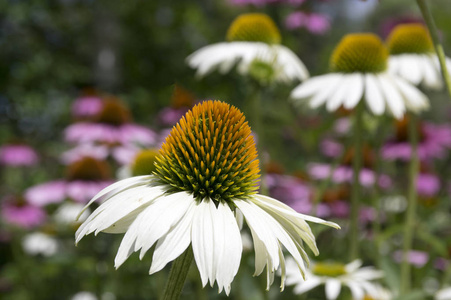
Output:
x,y
23,215
87,106
224,56
313,22
123,154
381,92
148,215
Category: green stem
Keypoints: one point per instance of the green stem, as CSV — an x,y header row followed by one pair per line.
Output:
x,y
414,166
177,275
355,198
425,11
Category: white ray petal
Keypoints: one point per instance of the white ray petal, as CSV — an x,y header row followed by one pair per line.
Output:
x,y
307,285
356,290
340,94
432,78
118,187
392,96
373,95
356,92
310,86
333,288
173,244
415,100
326,90
410,69
294,68
229,260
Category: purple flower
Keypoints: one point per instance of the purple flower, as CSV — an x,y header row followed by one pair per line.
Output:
x,y
331,148
17,155
87,106
314,23
169,116
19,213
105,133
434,144
428,185
343,174
85,178
416,258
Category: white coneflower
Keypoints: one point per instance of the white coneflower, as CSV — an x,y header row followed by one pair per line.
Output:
x,y
412,56
40,243
334,276
359,73
253,44
204,185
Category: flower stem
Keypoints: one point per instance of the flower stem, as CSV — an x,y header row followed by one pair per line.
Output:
x,y
425,11
177,275
409,223
355,198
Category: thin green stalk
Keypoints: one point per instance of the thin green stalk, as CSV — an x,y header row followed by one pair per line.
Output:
x,y
425,11
414,167
177,275
357,163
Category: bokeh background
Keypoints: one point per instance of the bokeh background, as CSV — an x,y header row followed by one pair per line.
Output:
x,y
55,52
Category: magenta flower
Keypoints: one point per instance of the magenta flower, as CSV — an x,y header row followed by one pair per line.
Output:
x,y
113,126
122,154
169,116
16,155
435,142
85,178
428,185
313,22
87,107
415,257
343,174
17,212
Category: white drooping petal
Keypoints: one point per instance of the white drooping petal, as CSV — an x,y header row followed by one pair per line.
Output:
x,y
174,243
410,69
229,261
356,289
114,209
356,92
328,88
373,95
431,77
294,68
333,288
415,100
392,96
118,187
270,233
307,285
153,223
310,87
353,266
340,94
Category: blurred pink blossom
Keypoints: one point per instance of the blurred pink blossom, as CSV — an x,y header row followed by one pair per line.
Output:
x,y
428,185
313,22
17,155
169,116
415,257
86,106
434,144
21,214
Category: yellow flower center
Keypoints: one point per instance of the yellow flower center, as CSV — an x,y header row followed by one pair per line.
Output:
x,y
363,53
88,169
254,27
211,154
144,163
410,38
329,269
113,113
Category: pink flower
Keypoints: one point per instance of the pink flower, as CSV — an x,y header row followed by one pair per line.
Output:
x,y
331,148
87,106
434,144
416,258
110,134
315,23
169,116
428,185
22,214
99,152
17,155
343,174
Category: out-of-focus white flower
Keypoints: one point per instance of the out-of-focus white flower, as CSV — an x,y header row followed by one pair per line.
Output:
x,y
40,243
202,190
254,46
335,275
412,56
68,213
443,294
359,73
